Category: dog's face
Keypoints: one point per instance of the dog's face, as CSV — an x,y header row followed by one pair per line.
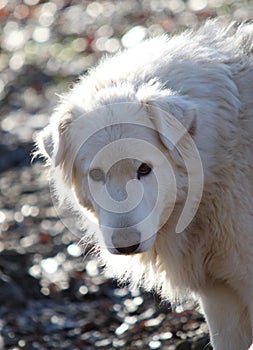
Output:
x,y
121,163
122,174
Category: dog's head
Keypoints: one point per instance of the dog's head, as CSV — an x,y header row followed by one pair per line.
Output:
x,y
125,161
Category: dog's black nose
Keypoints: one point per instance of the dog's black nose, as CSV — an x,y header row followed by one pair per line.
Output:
x,y
126,240
128,250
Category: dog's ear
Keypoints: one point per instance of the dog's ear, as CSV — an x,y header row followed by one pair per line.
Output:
x,y
45,144
62,144
54,143
63,155
172,115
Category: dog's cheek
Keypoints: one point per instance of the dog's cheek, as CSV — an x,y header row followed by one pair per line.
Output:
x,y
78,187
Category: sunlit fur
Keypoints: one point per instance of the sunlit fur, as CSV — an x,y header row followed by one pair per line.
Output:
x,y
205,79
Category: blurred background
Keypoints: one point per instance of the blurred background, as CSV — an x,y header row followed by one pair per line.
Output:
x,y
52,292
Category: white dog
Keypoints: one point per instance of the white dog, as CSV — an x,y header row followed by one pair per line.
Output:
x,y
157,143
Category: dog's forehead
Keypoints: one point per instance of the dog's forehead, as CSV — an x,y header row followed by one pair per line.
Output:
x,y
116,133
117,142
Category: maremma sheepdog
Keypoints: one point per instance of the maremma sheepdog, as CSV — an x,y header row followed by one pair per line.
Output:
x,y
154,149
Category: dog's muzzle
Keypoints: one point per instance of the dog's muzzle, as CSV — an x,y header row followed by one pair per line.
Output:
x,y
125,242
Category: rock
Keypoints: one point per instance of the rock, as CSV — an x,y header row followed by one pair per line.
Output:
x,y
203,343
184,345
11,295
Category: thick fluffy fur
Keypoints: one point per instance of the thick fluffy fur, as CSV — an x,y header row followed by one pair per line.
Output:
x,y
205,79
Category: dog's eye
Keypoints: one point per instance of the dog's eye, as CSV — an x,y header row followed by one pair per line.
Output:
x,y
97,174
144,169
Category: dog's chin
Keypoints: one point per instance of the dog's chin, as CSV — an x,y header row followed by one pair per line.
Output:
x,y
142,247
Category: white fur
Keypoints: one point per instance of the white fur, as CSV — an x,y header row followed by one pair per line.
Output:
x,y
203,78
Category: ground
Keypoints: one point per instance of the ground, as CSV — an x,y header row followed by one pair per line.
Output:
x,y
53,294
